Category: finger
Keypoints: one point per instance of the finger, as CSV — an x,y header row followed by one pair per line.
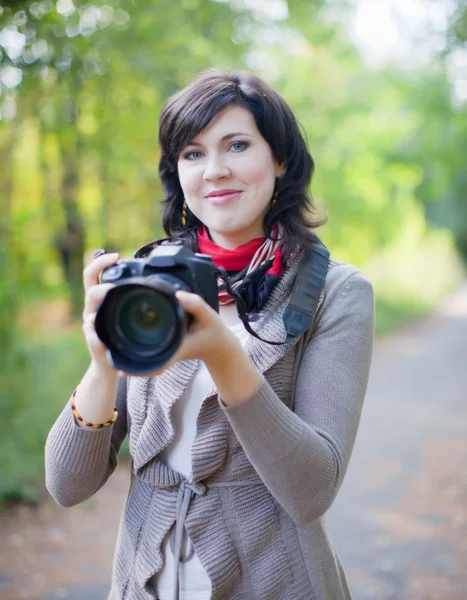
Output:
x,y
94,342
94,269
194,305
88,321
94,296
90,333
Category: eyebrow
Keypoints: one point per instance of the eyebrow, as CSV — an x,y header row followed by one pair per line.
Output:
x,y
224,138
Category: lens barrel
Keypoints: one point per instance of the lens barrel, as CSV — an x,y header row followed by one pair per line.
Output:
x,y
142,323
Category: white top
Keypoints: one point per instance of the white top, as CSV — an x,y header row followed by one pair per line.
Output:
x,y
194,581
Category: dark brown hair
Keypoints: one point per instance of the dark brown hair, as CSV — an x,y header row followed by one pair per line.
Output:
x,y
189,111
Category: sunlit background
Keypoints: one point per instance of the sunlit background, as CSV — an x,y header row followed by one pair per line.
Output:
x,y
379,87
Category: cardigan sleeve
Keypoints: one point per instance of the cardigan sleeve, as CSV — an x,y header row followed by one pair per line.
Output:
x,y
79,461
302,455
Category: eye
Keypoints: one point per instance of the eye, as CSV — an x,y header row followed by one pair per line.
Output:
x,y
239,146
193,155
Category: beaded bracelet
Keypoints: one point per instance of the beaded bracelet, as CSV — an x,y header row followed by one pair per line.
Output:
x,y
92,425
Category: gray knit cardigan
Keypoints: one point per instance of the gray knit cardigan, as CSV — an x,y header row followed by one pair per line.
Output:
x,y
264,472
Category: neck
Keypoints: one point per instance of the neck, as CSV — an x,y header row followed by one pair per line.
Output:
x,y
230,242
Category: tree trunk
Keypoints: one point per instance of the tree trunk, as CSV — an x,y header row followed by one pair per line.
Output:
x,y
105,152
70,241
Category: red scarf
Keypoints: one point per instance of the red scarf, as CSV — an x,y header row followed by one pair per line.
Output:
x,y
251,256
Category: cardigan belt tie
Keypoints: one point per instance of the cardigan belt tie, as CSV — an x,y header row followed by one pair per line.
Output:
x,y
186,492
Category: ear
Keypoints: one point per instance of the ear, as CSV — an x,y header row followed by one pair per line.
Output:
x,y
280,170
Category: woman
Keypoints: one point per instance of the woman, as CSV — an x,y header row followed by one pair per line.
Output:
x,y
238,446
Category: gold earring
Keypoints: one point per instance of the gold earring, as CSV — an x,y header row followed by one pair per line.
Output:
x,y
274,199
184,209
275,193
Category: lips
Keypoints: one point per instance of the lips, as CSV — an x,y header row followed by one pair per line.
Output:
x,y
223,196
225,192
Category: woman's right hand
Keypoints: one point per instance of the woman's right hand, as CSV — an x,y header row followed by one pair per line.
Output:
x,y
94,294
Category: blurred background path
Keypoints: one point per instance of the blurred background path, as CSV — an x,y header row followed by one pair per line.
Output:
x,y
400,520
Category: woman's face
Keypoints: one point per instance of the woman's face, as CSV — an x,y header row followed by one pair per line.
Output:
x,y
227,173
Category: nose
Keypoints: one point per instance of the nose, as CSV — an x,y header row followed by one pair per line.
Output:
x,y
216,168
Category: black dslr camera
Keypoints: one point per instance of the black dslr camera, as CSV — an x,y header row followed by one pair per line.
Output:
x,y
140,320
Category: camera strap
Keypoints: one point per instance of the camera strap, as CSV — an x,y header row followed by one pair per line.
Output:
x,y
299,314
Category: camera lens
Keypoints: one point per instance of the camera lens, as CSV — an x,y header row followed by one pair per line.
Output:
x,y
144,321
146,315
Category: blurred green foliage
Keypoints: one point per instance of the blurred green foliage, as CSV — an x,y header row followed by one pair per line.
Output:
x,y
39,385
81,87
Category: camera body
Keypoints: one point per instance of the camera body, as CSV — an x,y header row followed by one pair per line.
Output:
x,y
140,320
176,265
